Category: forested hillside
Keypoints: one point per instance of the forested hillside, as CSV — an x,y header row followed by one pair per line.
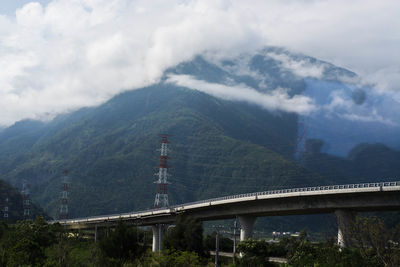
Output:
x,y
364,163
218,148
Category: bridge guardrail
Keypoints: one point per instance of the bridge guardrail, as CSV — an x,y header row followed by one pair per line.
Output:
x,y
291,190
268,192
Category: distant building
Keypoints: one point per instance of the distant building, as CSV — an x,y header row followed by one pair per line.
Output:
x,y
277,235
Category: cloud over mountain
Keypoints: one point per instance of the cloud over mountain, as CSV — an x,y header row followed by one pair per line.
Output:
x,y
67,54
276,100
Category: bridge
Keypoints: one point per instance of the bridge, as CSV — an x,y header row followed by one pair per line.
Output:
x,y
342,200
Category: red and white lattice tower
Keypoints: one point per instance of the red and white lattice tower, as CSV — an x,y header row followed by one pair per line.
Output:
x,y
6,208
64,197
161,199
26,198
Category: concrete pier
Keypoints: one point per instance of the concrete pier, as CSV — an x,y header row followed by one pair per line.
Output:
x,y
345,220
246,226
157,237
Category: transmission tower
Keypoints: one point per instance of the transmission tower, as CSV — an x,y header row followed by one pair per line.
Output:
x,y
6,208
64,197
26,198
161,199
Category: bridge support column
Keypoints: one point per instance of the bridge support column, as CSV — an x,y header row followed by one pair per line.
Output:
x,y
157,237
246,226
345,220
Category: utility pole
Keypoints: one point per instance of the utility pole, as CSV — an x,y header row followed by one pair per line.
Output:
x,y
234,240
217,237
159,238
216,248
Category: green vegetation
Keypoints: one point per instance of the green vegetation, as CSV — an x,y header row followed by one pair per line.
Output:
x,y
218,148
186,235
122,244
376,241
373,244
36,243
365,163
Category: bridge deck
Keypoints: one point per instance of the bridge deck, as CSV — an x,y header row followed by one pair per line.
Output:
x,y
307,200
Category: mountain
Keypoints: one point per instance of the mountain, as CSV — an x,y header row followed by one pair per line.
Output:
x,y
364,163
221,143
347,111
350,115
218,148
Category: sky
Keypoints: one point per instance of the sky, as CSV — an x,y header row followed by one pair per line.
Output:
x,y
59,55
8,7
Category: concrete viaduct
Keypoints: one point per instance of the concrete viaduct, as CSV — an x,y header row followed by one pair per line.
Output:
x,y
342,200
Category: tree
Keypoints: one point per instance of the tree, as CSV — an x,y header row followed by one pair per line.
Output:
x,y
225,243
25,244
375,240
179,259
122,244
255,253
186,235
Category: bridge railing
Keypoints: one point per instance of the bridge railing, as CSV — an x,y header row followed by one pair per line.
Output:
x,y
269,192
292,190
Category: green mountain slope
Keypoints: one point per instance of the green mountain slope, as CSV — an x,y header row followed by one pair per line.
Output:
x,y
218,148
365,163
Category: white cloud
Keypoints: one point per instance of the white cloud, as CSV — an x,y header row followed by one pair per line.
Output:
x,y
385,79
67,54
276,100
339,100
373,117
301,67
342,105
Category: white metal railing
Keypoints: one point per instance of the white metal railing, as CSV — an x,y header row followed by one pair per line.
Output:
x,y
255,194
